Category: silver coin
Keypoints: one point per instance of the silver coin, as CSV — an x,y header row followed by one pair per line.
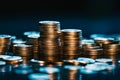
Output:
x,y
49,69
104,60
87,60
71,30
39,76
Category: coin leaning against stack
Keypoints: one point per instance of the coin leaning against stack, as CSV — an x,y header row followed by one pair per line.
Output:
x,y
49,37
70,41
5,42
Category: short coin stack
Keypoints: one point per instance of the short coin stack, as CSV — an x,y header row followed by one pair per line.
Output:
x,y
23,50
101,41
5,42
111,49
16,41
70,41
90,48
49,37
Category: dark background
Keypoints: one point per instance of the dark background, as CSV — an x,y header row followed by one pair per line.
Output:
x,y
91,16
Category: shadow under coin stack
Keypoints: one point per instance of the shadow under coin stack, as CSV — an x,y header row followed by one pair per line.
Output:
x,y
70,41
5,42
49,38
71,72
23,50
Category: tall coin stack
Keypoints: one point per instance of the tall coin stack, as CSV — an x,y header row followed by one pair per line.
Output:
x,y
70,41
33,40
49,37
5,42
23,50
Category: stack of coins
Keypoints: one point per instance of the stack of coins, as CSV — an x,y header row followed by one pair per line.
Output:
x,y
33,40
111,49
49,37
86,44
27,33
16,41
70,41
101,41
23,50
12,39
96,50
5,42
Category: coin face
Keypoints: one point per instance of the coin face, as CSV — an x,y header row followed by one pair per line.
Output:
x,y
4,56
71,30
49,22
5,36
2,63
49,69
31,33
18,41
104,60
34,36
39,76
97,35
87,60
13,58
97,66
103,38
22,45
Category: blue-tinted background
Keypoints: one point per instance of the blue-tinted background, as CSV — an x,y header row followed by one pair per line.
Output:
x,y
91,16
